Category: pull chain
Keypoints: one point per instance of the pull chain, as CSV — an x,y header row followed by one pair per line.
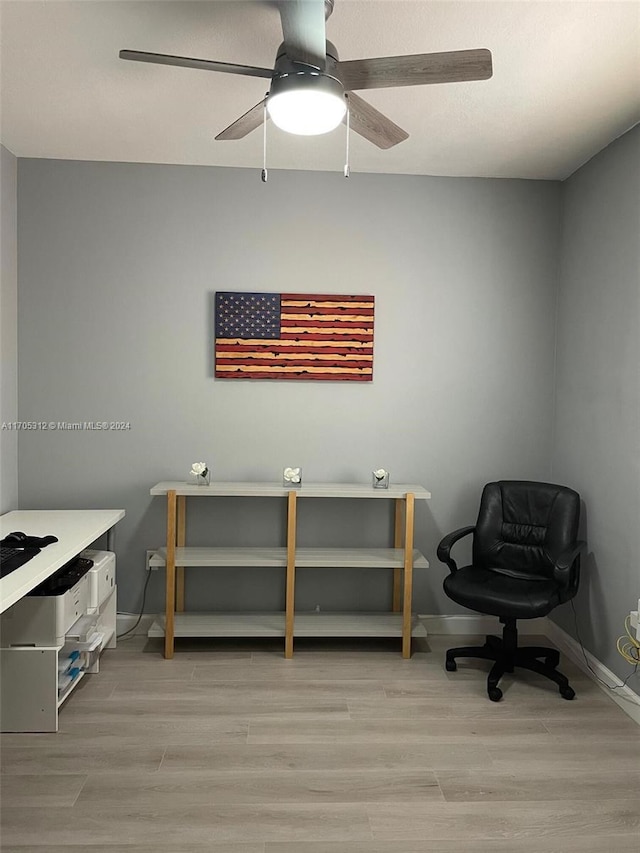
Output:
x,y
265,174
346,165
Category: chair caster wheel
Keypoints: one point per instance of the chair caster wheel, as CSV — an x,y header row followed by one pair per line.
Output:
x,y
495,694
567,692
450,665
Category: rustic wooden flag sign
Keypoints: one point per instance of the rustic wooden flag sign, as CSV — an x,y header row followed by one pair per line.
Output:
x,y
294,336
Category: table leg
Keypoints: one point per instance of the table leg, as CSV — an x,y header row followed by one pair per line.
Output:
x,y
408,576
170,594
291,574
111,538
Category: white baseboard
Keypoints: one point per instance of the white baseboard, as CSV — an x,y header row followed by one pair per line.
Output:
x,y
624,697
126,621
478,624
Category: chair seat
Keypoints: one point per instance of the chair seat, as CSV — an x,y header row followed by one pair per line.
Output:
x,y
497,594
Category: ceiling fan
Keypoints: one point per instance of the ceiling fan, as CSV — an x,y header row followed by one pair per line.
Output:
x,y
311,89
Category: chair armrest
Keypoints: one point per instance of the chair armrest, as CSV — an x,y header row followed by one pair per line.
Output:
x,y
446,544
564,564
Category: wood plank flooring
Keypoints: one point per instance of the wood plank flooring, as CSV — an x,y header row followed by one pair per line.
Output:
x,y
347,748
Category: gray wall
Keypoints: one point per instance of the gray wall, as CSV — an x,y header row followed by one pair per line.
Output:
x,y
118,267
8,330
596,447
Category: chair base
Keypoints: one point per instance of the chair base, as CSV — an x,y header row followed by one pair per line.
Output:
x,y
506,655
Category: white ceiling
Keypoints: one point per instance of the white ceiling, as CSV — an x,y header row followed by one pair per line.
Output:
x,y
566,82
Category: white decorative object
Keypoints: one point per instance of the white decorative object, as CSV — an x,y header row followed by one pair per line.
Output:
x,y
200,473
380,478
292,476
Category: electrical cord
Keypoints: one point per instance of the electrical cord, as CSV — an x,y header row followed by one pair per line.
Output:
x,y
144,596
629,646
634,661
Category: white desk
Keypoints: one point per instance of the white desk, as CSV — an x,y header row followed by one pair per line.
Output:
x,y
75,529
29,695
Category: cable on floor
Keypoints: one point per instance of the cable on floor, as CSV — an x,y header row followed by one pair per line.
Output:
x,y
636,662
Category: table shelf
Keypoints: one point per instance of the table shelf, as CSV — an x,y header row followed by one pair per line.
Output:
x,y
306,558
277,490
312,624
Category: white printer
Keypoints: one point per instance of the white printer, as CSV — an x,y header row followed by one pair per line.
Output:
x,y
46,620
102,577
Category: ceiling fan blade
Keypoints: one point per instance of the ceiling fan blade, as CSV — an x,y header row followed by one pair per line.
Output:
x,y
189,62
368,122
417,69
303,28
252,119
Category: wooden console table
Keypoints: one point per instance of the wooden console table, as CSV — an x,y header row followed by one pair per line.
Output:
x,y
402,558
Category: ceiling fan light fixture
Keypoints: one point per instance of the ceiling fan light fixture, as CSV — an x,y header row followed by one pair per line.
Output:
x,y
306,103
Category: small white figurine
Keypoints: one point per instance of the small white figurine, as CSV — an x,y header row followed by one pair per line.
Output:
x,y
380,478
200,470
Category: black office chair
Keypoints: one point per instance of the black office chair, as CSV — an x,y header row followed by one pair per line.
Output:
x,y
526,561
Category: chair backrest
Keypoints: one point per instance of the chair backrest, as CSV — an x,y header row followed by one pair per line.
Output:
x,y
524,526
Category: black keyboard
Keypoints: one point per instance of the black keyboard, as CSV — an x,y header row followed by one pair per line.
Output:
x,y
7,553
12,558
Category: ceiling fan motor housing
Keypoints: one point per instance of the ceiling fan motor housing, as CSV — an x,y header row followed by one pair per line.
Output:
x,y
309,91
284,65
288,74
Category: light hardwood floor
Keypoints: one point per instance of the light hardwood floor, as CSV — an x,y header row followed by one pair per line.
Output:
x,y
347,748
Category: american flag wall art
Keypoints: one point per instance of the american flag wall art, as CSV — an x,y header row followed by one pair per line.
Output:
x,y
294,336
